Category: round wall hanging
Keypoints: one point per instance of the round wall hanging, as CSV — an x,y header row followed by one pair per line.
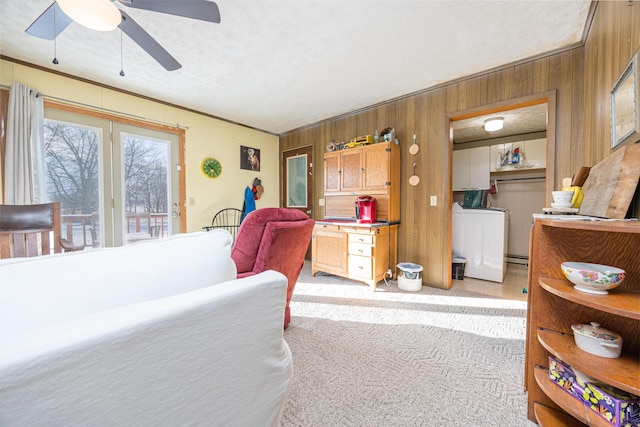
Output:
x,y
211,167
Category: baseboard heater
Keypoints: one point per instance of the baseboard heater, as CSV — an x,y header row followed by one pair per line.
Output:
x,y
517,259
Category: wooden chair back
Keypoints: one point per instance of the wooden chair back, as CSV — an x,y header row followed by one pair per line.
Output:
x,y
228,219
28,230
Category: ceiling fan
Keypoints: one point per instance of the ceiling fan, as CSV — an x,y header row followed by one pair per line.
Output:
x,y
104,15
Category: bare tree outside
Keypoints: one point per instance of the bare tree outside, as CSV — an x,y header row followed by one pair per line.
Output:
x,y
72,156
145,174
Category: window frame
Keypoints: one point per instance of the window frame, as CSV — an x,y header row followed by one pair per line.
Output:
x,y
137,122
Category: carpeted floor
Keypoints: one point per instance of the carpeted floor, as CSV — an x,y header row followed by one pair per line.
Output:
x,y
394,358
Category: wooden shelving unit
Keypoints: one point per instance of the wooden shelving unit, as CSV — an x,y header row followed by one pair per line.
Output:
x,y
622,372
554,305
547,417
568,403
621,302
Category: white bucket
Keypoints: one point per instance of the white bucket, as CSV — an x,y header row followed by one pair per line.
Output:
x,y
409,276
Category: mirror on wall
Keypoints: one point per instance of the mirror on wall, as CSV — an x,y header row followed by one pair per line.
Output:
x,y
625,114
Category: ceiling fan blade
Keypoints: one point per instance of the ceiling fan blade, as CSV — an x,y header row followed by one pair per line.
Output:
x,y
43,27
197,9
148,43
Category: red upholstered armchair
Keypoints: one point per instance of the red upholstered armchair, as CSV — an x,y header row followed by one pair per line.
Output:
x,y
273,239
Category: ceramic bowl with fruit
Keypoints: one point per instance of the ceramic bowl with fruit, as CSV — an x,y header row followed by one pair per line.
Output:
x,y
592,278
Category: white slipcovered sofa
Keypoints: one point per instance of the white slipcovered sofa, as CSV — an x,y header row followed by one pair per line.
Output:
x,y
158,333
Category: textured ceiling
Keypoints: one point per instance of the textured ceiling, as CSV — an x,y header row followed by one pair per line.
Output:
x,y
519,121
279,65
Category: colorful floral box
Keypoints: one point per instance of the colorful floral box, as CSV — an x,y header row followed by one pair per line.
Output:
x,y
562,374
617,407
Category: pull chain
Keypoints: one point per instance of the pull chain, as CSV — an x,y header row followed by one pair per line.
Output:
x,y
55,48
121,54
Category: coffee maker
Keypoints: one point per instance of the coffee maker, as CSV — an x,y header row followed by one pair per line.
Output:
x,y
366,207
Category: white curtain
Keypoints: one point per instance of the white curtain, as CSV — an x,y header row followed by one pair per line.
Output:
x,y
24,159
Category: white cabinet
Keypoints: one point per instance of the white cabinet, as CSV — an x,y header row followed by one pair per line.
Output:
x,y
471,169
479,168
460,176
533,154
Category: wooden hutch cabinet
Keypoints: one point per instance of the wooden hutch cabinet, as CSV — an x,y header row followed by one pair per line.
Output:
x,y
554,305
340,245
372,170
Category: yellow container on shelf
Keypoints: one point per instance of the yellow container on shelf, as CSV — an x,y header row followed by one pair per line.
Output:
x,y
578,195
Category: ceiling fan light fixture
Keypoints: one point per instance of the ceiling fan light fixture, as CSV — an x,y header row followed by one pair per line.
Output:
x,y
99,15
493,124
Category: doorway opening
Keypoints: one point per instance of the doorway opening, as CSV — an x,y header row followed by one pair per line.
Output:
x,y
297,176
297,182
510,170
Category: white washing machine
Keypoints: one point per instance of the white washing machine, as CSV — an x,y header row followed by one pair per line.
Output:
x,y
480,236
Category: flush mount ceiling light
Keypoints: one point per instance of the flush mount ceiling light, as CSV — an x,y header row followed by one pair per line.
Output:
x,y
493,124
99,15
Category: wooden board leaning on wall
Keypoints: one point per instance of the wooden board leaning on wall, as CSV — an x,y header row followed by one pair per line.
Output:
x,y
612,184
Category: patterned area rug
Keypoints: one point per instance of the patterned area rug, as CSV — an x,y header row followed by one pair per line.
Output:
x,y
395,358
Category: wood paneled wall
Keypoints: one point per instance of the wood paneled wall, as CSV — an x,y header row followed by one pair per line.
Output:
x,y
613,39
580,78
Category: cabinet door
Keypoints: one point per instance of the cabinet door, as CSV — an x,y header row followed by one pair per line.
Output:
x,y
479,175
329,250
535,153
351,169
376,166
332,171
460,179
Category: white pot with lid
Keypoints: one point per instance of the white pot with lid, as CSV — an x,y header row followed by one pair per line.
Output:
x,y
596,340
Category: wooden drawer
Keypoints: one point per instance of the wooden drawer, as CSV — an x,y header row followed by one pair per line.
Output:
x,y
360,266
327,227
361,238
360,249
360,230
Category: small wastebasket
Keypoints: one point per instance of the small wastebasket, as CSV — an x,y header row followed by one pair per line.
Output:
x,y
409,276
457,268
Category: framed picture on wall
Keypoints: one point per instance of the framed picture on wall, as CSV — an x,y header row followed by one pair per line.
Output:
x,y
625,113
249,158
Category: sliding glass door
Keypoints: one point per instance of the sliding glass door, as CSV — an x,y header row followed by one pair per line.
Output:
x,y
116,183
147,186
75,154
